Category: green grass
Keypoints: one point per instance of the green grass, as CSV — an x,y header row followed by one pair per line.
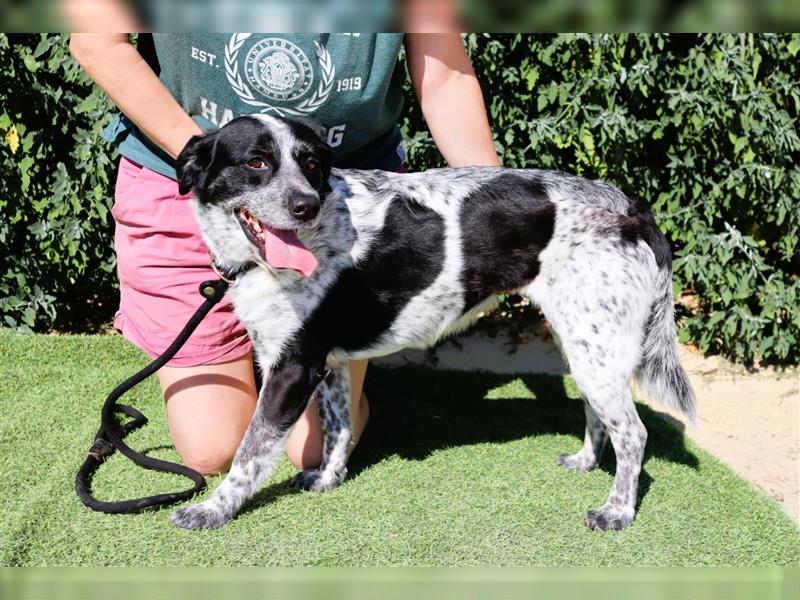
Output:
x,y
454,469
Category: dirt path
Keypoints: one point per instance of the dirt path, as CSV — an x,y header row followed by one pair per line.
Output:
x,y
750,421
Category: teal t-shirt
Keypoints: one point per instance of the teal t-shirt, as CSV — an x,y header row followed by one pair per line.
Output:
x,y
351,83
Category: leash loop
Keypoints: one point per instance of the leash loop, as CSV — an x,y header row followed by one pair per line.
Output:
x,y
110,436
229,279
214,290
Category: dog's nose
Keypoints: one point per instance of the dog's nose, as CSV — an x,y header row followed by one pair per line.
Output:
x,y
304,208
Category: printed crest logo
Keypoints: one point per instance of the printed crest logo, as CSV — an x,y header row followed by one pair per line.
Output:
x,y
279,71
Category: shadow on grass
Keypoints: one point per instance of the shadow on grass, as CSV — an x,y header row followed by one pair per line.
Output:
x,y
416,411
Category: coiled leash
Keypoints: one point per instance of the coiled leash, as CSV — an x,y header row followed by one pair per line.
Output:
x,y
111,434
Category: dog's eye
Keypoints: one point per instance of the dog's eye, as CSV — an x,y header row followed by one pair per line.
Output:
x,y
257,163
312,164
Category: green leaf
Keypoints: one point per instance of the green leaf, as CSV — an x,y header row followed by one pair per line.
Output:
x,y
88,104
29,316
715,318
756,64
531,77
43,46
30,63
541,102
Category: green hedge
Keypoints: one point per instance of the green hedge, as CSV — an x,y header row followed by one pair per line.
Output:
x,y
57,266
705,127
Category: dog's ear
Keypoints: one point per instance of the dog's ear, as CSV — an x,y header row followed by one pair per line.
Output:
x,y
315,135
323,152
314,126
194,161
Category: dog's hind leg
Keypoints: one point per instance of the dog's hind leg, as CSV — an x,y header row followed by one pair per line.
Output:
x,y
602,357
602,364
598,303
333,396
615,408
594,442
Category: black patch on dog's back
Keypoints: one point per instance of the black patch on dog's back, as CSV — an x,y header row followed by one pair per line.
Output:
x,y
404,259
639,224
505,225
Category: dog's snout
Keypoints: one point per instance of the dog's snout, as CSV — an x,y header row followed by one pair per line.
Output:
x,y
304,207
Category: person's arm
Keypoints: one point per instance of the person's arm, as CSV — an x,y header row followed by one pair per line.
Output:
x,y
116,66
450,98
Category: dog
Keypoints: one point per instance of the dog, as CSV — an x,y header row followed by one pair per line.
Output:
x,y
337,264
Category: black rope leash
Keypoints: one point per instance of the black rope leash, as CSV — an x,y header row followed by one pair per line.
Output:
x,y
111,434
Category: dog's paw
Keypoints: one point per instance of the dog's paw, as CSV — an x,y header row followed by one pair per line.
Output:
x,y
199,516
317,480
577,462
609,518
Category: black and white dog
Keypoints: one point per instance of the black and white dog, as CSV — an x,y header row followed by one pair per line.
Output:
x,y
344,264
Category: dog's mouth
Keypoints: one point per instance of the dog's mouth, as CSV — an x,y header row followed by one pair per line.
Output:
x,y
279,248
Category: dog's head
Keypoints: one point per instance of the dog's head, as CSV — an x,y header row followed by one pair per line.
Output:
x,y
256,182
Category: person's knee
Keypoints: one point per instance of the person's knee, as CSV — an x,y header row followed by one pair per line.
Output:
x,y
304,444
305,452
209,460
208,411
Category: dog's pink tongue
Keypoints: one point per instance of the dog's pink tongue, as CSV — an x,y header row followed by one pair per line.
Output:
x,y
283,250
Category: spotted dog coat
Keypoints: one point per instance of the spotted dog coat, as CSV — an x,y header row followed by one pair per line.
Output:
x,y
404,259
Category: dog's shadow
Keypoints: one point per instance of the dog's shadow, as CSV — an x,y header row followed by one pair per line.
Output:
x,y
416,411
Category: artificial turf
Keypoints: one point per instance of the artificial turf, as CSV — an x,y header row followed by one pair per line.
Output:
x,y
454,469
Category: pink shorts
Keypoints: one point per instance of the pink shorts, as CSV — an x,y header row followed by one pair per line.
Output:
x,y
161,261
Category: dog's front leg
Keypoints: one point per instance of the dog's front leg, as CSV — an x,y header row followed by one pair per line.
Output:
x,y
333,395
283,399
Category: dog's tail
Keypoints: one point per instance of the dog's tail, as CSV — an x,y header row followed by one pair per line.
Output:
x,y
660,371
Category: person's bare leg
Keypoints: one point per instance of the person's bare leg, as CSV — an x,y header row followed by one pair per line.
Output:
x,y
208,410
304,446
